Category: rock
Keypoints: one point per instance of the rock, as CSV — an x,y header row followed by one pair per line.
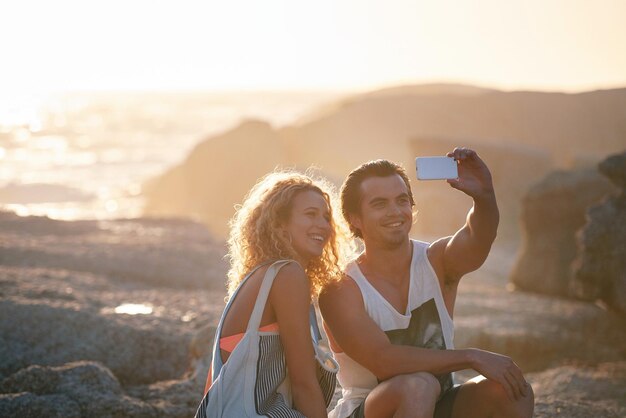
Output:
x,y
72,390
29,405
173,253
174,398
49,380
66,351
581,392
53,335
614,167
552,212
201,351
600,269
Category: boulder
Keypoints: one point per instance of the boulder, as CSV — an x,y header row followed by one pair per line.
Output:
x,y
172,398
216,176
54,334
600,269
71,390
552,211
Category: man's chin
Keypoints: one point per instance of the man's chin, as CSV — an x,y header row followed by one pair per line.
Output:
x,y
395,241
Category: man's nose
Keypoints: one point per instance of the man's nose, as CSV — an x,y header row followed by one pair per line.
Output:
x,y
394,209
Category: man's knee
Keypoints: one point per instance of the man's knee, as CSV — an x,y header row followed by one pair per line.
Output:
x,y
419,385
499,398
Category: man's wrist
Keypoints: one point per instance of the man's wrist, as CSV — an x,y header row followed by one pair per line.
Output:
x,y
487,196
469,356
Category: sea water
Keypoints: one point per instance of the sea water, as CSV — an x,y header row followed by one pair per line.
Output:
x,y
87,155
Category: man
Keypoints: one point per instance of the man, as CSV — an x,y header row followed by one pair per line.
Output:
x,y
390,320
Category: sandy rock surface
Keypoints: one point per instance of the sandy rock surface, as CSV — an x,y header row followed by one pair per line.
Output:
x,y
171,253
63,289
581,391
68,350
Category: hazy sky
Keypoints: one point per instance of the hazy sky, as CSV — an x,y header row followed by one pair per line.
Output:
x,y
568,45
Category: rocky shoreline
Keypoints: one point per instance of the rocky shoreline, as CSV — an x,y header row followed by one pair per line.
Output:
x,y
68,349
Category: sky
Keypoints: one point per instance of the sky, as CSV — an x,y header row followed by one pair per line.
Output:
x,y
69,45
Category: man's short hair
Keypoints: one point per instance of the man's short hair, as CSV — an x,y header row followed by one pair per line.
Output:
x,y
351,188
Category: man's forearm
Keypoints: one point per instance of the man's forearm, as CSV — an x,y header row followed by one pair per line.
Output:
x,y
483,219
400,359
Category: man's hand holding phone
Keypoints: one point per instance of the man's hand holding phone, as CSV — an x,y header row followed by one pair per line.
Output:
x,y
462,168
474,175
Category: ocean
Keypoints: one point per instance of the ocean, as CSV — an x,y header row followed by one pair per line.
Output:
x,y
87,155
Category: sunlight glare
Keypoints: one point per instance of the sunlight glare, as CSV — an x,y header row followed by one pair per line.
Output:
x,y
134,309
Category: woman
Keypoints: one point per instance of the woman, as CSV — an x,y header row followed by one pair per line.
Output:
x,y
286,216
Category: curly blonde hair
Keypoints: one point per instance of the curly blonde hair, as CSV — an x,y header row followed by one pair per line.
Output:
x,y
255,237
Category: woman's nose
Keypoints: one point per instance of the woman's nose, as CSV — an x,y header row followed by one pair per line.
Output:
x,y
324,223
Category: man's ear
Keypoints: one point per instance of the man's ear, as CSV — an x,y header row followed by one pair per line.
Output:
x,y
355,221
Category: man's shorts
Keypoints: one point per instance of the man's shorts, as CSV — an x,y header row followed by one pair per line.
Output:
x,y
443,408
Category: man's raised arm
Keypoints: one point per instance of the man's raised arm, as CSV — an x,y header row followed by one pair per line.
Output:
x,y
468,249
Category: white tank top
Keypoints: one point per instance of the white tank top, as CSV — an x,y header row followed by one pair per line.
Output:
x,y
426,323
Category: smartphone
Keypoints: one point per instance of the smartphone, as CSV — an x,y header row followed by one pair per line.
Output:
x,y
436,168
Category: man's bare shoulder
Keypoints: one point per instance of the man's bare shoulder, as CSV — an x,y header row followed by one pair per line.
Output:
x,y
345,291
345,285
436,256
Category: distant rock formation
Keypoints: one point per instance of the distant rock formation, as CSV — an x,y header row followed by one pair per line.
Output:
x,y
552,212
600,270
559,130
513,168
216,176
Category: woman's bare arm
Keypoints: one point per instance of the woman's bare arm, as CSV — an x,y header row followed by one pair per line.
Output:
x,y
290,300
